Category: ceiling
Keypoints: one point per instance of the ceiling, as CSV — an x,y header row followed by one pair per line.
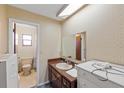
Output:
x,y
48,10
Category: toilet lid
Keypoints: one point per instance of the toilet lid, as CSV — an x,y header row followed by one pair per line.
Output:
x,y
27,65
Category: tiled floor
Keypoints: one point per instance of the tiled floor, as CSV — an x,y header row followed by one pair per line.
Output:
x,y
27,81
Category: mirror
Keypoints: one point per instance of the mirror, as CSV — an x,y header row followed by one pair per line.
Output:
x,y
74,46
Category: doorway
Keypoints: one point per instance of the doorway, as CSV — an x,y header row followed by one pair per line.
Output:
x,y
78,46
24,43
81,46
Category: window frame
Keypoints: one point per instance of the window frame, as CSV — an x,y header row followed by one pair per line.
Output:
x,y
26,40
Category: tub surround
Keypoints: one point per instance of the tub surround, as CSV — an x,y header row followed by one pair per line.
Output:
x,y
86,79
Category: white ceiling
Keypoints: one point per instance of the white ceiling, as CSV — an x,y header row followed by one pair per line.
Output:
x,y
48,10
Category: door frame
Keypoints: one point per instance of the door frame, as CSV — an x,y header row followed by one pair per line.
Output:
x,y
11,42
83,44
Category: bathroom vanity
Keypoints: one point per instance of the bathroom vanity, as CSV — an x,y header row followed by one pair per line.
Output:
x,y
59,78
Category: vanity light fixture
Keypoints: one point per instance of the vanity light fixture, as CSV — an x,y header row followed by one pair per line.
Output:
x,y
68,10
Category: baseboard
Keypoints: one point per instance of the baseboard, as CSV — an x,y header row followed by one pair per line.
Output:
x,y
43,83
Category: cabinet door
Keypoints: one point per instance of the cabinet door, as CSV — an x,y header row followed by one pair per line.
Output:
x,y
50,73
65,83
56,79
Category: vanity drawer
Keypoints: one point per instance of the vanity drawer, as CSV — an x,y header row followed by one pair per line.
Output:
x,y
49,73
95,79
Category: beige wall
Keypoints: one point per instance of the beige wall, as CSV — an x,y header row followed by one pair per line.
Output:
x,y
50,37
3,29
104,26
26,51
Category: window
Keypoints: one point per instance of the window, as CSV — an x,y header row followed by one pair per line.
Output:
x,y
26,40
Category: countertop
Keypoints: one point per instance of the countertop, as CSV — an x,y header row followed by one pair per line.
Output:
x,y
62,72
117,79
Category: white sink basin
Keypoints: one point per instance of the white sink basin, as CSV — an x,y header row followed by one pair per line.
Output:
x,y
63,66
72,72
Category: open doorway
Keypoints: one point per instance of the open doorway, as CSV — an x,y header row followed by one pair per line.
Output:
x,y
25,44
81,46
25,48
78,46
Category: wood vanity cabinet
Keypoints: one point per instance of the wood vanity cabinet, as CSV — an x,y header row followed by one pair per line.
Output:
x,y
65,83
58,79
55,79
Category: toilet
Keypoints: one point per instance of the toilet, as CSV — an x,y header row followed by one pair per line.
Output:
x,y
26,66
26,69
